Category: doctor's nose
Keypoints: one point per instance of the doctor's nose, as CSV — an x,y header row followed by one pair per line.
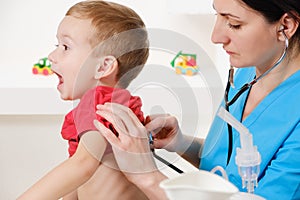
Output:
x,y
219,34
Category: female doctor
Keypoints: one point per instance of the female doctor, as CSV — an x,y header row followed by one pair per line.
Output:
x,y
260,33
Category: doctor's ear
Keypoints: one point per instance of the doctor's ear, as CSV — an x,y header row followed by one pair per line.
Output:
x,y
108,65
288,25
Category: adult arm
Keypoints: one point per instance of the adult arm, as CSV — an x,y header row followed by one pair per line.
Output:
x,y
193,151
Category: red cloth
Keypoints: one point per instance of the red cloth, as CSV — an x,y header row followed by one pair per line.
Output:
x,y
80,119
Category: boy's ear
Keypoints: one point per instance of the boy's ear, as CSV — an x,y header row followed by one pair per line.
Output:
x,y
107,66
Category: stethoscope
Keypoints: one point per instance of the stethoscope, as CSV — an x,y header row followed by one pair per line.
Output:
x,y
164,161
244,88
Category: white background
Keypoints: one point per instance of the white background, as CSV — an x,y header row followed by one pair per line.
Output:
x,y
31,112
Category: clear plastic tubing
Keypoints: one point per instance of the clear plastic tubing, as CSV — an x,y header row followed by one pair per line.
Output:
x,y
247,157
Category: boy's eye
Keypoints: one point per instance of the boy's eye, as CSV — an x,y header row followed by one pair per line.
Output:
x,y
65,47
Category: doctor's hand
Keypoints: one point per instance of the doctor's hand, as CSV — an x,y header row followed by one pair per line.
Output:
x,y
131,147
165,131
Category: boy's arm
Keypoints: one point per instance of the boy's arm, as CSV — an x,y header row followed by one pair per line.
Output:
x,y
71,196
70,174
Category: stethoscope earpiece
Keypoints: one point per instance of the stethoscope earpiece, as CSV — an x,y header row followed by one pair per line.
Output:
x,y
281,29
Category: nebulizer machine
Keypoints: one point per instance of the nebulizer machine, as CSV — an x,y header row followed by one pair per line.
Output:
x,y
247,157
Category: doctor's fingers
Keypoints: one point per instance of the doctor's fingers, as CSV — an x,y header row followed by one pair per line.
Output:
x,y
150,118
117,123
160,125
123,119
124,141
108,134
131,157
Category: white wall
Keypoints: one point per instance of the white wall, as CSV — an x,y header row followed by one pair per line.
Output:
x,y
30,146
31,112
28,30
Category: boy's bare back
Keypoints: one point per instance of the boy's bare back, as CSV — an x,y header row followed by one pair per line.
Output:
x,y
109,183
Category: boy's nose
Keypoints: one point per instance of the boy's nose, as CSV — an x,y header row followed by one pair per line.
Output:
x,y
50,57
53,60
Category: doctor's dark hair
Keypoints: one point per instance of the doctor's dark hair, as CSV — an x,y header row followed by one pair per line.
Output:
x,y
110,21
273,10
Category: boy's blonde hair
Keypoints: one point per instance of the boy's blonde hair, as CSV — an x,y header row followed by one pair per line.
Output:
x,y
111,20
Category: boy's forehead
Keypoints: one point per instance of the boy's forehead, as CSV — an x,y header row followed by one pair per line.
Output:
x,y
75,28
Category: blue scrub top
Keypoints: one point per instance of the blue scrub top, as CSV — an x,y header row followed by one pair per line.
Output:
x,y
275,127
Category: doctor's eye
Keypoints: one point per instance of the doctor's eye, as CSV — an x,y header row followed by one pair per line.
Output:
x,y
234,26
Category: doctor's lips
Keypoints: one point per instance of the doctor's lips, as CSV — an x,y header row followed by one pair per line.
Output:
x,y
229,52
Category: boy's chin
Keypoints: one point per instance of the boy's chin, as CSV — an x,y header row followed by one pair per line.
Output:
x,y
66,97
